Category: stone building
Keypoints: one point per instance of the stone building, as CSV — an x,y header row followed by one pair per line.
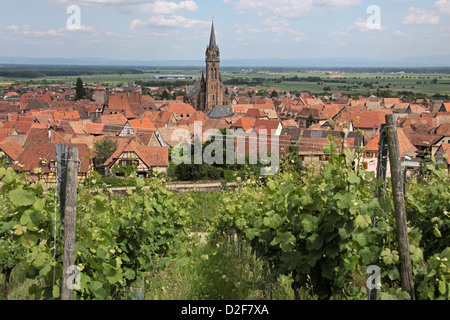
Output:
x,y
209,91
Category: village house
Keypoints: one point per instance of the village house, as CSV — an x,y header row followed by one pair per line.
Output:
x,y
425,142
181,110
311,144
145,159
370,155
39,160
11,151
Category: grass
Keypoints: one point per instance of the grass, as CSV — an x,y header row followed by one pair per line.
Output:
x,y
215,273
18,285
210,272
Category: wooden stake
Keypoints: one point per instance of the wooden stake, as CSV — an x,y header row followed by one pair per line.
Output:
x,y
70,212
399,206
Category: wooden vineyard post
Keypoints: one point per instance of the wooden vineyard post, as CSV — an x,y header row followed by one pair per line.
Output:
x,y
70,212
61,157
381,174
399,206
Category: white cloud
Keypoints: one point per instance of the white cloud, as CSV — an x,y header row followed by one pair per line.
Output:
x,y
400,33
289,8
362,25
337,33
281,27
168,7
168,21
26,30
13,27
136,6
246,29
443,6
421,16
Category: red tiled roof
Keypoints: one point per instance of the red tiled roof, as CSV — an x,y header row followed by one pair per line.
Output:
x,y
330,110
94,128
245,123
443,129
11,148
180,108
155,156
289,123
32,155
22,126
142,125
5,132
119,104
268,125
307,111
114,119
424,140
365,119
422,120
417,108
151,156
388,102
404,143
198,116
255,113
447,106
38,136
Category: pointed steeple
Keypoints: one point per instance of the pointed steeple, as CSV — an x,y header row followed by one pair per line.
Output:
x,y
212,39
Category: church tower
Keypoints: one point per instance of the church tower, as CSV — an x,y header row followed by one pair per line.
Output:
x,y
208,91
214,86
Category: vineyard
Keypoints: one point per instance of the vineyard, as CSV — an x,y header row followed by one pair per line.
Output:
x,y
300,234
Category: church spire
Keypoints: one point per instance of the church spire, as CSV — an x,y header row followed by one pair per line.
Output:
x,y
212,39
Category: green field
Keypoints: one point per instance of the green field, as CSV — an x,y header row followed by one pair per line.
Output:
x,y
349,82
354,84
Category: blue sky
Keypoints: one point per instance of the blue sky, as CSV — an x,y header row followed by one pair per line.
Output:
x,y
245,29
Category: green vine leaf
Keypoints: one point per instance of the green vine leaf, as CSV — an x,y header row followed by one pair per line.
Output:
x,y
21,198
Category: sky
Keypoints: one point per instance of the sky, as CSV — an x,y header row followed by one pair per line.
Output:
x,y
245,29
